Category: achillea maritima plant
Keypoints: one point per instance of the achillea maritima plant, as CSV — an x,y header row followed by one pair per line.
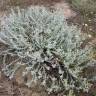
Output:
x,y
50,49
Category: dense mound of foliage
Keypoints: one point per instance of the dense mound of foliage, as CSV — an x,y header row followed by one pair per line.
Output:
x,y
50,49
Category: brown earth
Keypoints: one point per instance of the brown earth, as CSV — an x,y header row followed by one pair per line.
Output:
x,y
54,4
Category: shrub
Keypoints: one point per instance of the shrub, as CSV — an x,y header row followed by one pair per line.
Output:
x,y
51,50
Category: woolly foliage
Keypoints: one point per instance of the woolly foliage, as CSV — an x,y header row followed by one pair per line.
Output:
x,y
51,49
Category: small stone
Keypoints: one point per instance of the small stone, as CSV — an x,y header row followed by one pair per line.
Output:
x,y
86,25
90,29
89,20
89,36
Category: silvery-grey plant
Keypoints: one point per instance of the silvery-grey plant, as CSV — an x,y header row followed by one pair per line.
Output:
x,y
51,49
